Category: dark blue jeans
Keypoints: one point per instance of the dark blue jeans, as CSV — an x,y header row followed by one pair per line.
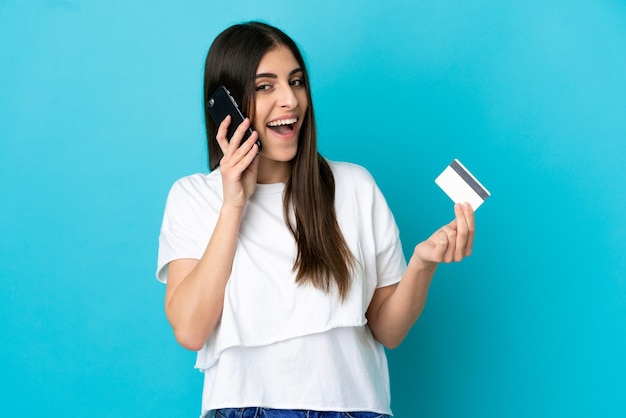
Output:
x,y
290,413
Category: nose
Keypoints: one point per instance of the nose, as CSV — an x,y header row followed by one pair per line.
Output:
x,y
286,97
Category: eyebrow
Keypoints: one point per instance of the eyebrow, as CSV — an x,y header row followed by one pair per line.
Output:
x,y
271,75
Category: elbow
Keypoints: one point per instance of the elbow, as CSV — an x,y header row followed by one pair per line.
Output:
x,y
189,341
389,340
392,346
188,332
392,343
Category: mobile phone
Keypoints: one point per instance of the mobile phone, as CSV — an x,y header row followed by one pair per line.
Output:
x,y
221,104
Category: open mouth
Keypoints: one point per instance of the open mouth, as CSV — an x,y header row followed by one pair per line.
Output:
x,y
283,126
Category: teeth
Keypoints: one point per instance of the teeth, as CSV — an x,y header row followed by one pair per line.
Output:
x,y
283,122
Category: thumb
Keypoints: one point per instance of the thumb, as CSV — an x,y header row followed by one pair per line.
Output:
x,y
441,245
433,249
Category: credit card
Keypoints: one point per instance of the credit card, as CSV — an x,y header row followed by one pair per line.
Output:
x,y
461,186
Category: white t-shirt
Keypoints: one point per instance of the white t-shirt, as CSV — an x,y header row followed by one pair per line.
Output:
x,y
279,344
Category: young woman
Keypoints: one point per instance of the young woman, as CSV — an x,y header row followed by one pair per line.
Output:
x,y
284,270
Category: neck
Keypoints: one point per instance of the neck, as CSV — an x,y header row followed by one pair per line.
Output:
x,y
271,171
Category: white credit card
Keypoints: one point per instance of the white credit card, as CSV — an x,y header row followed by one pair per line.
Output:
x,y
461,186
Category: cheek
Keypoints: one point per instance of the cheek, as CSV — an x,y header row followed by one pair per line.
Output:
x,y
303,102
257,125
260,115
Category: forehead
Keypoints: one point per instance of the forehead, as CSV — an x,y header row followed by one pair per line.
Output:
x,y
278,60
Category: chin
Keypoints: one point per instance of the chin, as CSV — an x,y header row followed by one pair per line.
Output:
x,y
279,157
279,152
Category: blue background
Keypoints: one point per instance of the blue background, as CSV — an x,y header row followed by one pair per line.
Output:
x,y
100,112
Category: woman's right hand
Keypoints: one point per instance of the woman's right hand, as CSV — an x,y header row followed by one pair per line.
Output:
x,y
194,296
239,164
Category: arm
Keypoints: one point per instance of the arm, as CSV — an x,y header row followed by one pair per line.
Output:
x,y
394,309
194,295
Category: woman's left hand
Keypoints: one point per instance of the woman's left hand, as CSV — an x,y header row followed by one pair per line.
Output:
x,y
394,309
451,242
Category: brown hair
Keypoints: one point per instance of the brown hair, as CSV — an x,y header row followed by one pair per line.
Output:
x,y
323,257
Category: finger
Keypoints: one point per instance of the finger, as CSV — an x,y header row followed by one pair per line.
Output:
x,y
238,135
252,152
433,249
443,244
222,141
471,227
254,161
235,164
461,232
450,234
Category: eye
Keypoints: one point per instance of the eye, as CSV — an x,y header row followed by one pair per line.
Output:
x,y
296,82
263,87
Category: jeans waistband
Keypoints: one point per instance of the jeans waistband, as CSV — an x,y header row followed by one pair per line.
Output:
x,y
291,413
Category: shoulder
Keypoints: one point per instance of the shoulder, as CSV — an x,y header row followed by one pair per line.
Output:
x,y
199,183
355,184
345,172
196,191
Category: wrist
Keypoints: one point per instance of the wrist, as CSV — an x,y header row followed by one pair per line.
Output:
x,y
231,210
419,264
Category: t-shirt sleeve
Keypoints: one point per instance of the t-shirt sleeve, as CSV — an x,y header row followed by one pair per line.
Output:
x,y
178,238
378,232
390,260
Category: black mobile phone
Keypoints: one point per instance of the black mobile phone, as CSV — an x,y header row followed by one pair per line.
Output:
x,y
221,104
